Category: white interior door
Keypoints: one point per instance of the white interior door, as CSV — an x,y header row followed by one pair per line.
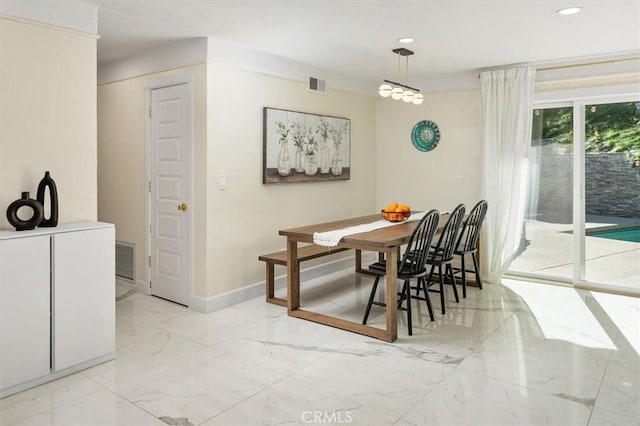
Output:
x,y
169,208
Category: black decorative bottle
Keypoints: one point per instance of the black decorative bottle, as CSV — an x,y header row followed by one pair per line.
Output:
x,y
33,221
48,183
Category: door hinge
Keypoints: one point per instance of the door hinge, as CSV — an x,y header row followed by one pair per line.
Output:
x,y
149,186
150,283
149,112
151,229
149,261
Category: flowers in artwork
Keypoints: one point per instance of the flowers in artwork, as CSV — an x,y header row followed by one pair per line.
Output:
x,y
311,142
323,131
324,128
337,133
298,131
283,131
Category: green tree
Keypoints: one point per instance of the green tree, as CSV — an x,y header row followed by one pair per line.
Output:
x,y
612,127
609,127
554,124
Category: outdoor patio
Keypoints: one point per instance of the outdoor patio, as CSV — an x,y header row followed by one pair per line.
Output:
x,y
548,251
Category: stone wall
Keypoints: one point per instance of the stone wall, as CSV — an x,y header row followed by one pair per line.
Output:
x,y
612,186
552,171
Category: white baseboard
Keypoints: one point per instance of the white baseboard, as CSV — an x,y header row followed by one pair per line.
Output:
x,y
224,300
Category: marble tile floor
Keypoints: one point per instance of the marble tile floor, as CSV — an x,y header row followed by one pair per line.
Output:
x,y
515,353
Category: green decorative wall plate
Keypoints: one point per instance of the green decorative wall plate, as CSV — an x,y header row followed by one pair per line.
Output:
x,y
425,135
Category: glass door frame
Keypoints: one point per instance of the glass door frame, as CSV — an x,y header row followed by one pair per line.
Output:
x,y
579,103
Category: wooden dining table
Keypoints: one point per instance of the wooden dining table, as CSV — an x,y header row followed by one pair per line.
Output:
x,y
386,241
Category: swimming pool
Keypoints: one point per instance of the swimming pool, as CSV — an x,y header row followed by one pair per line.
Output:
x,y
623,234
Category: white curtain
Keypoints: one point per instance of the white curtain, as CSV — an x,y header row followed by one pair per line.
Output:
x,y
507,96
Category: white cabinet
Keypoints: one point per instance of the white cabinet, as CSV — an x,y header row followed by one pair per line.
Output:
x,y
83,296
57,302
24,310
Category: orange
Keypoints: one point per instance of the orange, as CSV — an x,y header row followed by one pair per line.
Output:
x,y
396,212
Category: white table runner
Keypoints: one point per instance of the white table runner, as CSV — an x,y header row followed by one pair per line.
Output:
x,y
332,238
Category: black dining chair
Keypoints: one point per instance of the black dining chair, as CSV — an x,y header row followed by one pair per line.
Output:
x,y
441,256
468,243
411,266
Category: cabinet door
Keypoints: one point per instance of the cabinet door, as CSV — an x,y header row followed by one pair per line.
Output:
x,y
83,296
25,299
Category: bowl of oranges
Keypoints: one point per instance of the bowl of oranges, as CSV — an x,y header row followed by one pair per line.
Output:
x,y
396,212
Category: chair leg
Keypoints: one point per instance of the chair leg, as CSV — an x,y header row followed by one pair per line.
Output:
x,y
407,287
449,269
426,292
371,296
429,280
403,296
464,276
441,289
475,265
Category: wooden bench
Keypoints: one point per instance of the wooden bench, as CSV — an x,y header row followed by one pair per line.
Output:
x,y
280,258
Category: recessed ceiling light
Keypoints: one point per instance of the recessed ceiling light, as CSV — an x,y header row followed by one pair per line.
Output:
x,y
569,10
406,40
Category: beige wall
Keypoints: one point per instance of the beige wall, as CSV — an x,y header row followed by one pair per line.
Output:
x,y
232,226
443,177
121,150
48,116
243,220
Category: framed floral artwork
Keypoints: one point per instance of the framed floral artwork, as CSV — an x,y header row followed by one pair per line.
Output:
x,y
303,147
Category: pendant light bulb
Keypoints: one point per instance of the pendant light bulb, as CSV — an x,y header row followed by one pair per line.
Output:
x,y
418,99
385,90
407,96
397,93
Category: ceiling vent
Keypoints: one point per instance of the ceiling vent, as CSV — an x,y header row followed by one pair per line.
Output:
x,y
317,85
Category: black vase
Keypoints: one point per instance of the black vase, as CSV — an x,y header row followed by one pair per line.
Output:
x,y
25,201
48,183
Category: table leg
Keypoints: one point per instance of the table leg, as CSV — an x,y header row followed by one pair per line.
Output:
x,y
391,294
358,260
293,276
270,281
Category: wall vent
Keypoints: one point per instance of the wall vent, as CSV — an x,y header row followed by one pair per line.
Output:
x,y
126,260
317,85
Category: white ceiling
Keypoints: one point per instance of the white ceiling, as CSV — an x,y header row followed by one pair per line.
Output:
x,y
354,38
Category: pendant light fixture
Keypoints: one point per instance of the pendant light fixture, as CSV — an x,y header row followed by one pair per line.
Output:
x,y
397,90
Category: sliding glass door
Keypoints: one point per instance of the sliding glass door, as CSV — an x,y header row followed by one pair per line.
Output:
x,y
583,215
549,214
612,194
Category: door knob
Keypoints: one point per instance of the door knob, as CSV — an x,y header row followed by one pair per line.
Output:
x,y
182,207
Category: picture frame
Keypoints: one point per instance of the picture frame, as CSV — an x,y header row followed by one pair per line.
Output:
x,y
305,147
